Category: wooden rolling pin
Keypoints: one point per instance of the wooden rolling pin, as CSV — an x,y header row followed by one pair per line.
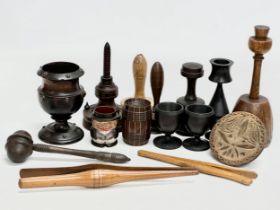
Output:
x,y
238,175
139,75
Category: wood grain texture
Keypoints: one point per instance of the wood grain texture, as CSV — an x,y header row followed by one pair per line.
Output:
x,y
258,105
238,138
157,80
139,74
236,175
100,178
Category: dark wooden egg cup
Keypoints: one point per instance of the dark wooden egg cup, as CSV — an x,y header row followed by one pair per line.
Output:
x,y
167,115
192,71
198,120
60,95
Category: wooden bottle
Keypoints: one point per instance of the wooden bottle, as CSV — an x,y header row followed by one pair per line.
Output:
x,y
255,103
100,178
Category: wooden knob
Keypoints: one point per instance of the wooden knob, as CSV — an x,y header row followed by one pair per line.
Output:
x,y
139,73
260,43
157,79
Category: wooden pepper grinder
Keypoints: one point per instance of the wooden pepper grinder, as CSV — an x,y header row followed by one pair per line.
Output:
x,y
157,80
255,103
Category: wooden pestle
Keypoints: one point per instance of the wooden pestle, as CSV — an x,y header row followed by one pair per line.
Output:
x,y
157,78
139,75
100,177
237,175
255,103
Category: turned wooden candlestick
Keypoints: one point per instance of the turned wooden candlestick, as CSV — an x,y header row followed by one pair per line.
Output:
x,y
255,103
157,80
139,75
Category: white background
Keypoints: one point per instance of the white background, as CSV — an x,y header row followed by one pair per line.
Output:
x,y
33,33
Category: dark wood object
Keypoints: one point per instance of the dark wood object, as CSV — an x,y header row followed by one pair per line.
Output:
x,y
255,103
192,71
106,91
237,175
157,80
220,74
238,138
167,116
61,95
20,146
199,118
136,121
99,176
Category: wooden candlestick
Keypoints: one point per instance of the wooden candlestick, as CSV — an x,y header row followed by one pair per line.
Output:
x,y
157,79
255,103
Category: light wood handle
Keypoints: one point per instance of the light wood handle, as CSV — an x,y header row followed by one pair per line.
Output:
x,y
75,179
243,172
203,168
139,74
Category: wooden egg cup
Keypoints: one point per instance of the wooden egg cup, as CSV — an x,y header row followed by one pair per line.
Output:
x,y
253,102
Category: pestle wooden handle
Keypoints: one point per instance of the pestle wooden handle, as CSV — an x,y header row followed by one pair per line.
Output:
x,y
103,156
139,74
157,79
201,167
259,44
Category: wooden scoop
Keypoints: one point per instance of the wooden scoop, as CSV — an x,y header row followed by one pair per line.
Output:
x,y
96,176
238,175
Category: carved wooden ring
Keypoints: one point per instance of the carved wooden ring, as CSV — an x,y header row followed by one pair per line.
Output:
x,y
238,138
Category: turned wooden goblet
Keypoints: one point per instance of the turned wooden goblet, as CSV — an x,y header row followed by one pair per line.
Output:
x,y
60,95
198,120
167,115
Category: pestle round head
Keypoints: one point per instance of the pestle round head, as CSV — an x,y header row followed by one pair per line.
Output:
x,y
19,146
260,43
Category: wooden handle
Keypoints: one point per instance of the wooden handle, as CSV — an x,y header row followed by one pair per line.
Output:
x,y
100,178
259,44
76,179
157,79
139,74
103,156
204,168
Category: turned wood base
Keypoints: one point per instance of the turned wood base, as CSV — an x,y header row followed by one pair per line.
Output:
x,y
259,107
